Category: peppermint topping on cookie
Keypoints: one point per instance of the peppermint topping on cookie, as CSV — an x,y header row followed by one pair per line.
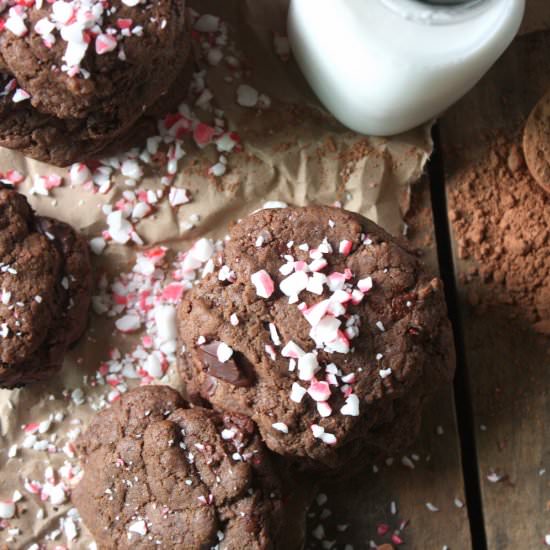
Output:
x,y
332,325
80,24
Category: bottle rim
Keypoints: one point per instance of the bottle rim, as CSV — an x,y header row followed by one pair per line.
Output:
x,y
439,12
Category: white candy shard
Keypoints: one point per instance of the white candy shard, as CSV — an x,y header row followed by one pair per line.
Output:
x,y
247,96
224,352
351,407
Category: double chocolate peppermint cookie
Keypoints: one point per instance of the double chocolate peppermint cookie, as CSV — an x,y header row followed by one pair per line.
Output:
x,y
158,474
90,68
45,284
64,141
323,329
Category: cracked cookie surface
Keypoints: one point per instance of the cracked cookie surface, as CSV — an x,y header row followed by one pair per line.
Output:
x,y
323,329
45,282
160,474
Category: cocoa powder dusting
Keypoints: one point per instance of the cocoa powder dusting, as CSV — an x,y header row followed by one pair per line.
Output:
x,y
501,221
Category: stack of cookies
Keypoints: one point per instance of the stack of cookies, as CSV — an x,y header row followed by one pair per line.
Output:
x,y
310,348
46,285
76,76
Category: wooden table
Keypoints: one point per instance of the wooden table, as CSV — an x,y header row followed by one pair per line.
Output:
x,y
497,418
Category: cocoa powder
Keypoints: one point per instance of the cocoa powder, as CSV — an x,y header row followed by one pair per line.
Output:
x,y
501,222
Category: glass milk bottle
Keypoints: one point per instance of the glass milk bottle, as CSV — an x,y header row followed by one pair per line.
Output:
x,y
384,66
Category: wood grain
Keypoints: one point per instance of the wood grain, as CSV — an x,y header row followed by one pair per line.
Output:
x,y
507,363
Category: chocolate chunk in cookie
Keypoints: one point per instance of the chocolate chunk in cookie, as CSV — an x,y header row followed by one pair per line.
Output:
x,y
158,474
45,284
330,330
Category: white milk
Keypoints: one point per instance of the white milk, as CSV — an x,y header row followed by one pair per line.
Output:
x,y
384,66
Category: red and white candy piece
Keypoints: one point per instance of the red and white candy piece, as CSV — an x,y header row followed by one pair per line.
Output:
x,y
20,95
319,391
178,196
12,177
336,281
62,12
364,285
345,247
165,321
79,174
292,285
153,366
315,313
264,283
105,43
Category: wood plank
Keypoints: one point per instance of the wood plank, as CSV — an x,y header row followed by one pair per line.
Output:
x,y
537,16
507,362
362,503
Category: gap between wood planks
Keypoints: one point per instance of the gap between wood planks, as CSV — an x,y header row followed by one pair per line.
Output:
x,y
465,420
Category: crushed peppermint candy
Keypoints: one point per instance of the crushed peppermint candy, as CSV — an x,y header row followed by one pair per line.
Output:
x,y
20,95
432,507
77,24
351,408
280,427
264,283
224,352
177,131
247,96
333,326
325,437
145,299
139,527
7,509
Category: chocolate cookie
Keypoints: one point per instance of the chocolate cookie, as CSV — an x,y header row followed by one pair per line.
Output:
x,y
77,75
158,474
536,142
45,282
323,329
79,58
64,141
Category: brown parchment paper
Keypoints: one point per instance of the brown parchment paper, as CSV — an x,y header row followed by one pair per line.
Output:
x,y
293,152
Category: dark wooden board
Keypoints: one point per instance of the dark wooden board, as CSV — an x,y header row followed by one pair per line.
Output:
x,y
364,502
508,364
